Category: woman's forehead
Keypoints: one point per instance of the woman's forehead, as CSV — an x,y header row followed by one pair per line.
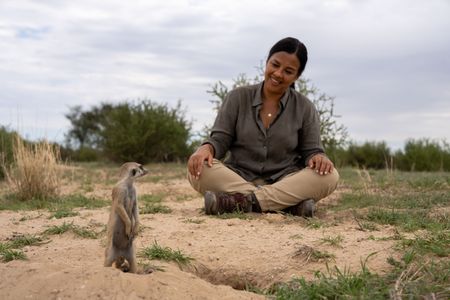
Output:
x,y
289,59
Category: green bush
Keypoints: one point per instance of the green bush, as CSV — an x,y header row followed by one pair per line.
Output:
x,y
142,131
375,155
424,155
338,155
417,155
7,139
83,154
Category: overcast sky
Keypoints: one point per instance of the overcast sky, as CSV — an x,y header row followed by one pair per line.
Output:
x,y
386,62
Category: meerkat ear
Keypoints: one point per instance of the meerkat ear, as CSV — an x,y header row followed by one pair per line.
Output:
x,y
133,172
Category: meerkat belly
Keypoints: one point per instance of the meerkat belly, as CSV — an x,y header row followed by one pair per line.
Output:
x,y
120,239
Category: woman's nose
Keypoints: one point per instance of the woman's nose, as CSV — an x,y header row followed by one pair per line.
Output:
x,y
278,73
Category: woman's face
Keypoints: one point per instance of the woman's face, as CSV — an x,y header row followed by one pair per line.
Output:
x,y
281,71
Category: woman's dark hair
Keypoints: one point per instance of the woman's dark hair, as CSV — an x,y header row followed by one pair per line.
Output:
x,y
292,46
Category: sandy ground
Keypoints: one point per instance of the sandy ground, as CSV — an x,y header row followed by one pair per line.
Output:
x,y
229,254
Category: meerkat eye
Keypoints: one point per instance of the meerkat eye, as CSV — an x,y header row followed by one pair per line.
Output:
x,y
133,172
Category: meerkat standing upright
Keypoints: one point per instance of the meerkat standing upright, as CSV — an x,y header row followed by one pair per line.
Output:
x,y
123,219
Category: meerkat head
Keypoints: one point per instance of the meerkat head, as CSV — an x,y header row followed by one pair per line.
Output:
x,y
132,170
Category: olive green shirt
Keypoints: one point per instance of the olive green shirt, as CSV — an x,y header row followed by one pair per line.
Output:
x,y
259,153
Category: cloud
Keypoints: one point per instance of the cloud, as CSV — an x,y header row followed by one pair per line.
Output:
x,y
385,61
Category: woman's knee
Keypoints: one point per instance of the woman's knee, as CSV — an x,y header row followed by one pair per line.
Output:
x,y
334,177
330,182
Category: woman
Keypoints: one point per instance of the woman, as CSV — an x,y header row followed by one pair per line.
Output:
x,y
270,136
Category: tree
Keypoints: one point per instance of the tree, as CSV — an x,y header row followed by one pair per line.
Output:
x,y
333,134
143,131
424,154
86,125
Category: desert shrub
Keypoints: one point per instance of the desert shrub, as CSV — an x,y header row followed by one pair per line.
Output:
x,y
142,131
338,155
145,132
6,149
33,173
424,155
375,155
82,154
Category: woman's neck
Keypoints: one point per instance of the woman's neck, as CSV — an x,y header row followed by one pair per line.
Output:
x,y
271,96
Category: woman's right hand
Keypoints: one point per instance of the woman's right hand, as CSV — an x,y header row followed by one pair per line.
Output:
x,y
195,162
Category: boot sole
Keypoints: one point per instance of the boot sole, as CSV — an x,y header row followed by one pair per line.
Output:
x,y
210,203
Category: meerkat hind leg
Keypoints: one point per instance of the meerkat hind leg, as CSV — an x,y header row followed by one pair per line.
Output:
x,y
109,257
131,257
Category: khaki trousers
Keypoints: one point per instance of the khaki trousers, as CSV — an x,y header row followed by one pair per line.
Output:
x,y
288,191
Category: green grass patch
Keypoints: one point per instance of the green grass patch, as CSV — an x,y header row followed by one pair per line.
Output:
x,y
165,253
151,198
59,229
11,202
408,220
317,255
366,226
335,284
77,200
428,280
433,243
10,250
184,197
7,255
234,215
357,200
151,204
21,241
419,200
77,230
428,181
84,232
194,221
155,208
63,213
407,200
315,223
335,241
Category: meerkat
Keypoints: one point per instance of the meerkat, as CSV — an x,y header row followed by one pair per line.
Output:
x,y
124,219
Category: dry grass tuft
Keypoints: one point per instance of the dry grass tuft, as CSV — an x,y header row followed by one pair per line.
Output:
x,y
34,171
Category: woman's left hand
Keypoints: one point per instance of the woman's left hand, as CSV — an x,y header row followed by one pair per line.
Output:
x,y
321,164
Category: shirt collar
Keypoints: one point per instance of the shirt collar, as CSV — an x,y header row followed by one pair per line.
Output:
x,y
258,97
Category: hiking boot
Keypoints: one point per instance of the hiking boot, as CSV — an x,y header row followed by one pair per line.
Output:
x,y
220,202
305,209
